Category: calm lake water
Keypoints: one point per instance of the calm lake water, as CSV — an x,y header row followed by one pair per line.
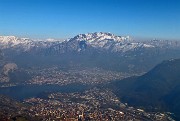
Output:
x,y
27,91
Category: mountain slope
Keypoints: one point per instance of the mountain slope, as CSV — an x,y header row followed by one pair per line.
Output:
x,y
24,44
99,49
97,40
159,88
101,41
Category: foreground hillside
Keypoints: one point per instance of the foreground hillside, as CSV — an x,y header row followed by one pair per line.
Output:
x,y
158,89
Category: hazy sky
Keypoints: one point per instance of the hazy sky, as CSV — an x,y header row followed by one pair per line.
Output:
x,y
66,18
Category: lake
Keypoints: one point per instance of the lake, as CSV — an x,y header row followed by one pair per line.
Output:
x,y
28,91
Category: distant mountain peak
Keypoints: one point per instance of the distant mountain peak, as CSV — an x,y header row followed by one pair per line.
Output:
x,y
99,36
107,41
97,40
24,44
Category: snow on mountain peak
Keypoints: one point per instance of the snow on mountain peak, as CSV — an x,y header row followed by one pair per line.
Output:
x,y
24,44
103,41
99,36
97,40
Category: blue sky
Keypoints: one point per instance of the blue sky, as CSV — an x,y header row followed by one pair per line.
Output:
x,y
66,18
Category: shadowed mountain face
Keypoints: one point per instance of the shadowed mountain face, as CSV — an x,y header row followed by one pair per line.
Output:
x,y
1,55
159,88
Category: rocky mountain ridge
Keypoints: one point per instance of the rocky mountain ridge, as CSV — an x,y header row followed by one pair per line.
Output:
x,y
157,88
98,40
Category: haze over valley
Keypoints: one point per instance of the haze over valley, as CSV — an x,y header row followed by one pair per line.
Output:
x,y
95,60
87,61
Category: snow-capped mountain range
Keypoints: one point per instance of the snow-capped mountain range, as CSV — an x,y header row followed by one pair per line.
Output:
x,y
97,40
105,41
25,44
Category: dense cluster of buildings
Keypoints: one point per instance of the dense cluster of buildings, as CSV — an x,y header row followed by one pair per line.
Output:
x,y
91,105
85,76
